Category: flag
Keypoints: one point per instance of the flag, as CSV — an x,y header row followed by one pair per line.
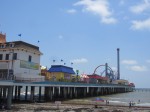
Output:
x,y
19,35
38,41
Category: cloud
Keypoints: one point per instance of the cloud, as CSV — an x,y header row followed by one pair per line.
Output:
x,y
139,8
140,25
122,2
98,7
71,11
138,68
129,62
78,61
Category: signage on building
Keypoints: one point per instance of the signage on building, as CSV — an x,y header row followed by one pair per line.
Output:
x,y
29,65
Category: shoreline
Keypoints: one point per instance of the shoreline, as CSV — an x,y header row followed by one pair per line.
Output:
x,y
67,106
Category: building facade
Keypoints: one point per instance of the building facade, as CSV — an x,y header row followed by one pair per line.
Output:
x,y
20,60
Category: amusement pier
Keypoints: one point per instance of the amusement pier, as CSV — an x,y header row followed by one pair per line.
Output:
x,y
22,77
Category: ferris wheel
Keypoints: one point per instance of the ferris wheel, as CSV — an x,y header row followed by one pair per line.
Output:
x,y
105,71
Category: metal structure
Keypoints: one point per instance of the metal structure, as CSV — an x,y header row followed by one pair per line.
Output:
x,y
118,64
108,71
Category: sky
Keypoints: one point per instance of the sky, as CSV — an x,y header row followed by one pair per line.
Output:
x,y
85,33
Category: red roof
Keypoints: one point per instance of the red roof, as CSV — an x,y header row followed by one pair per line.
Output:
x,y
95,76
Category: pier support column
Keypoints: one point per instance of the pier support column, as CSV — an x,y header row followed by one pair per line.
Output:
x,y
26,93
98,91
87,91
75,92
40,88
47,93
4,92
59,93
1,93
16,90
32,93
65,93
19,91
70,92
92,91
9,97
54,93
102,91
51,93
84,94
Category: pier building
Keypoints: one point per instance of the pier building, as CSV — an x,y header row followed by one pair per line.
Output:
x,y
19,60
61,73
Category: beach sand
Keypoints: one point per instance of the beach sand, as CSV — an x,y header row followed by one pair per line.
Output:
x,y
72,106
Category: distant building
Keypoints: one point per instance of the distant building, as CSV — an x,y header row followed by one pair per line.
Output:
x,y
94,78
122,82
20,60
61,73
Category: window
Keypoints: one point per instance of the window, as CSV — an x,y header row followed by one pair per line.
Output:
x,y
11,44
14,56
7,57
30,58
1,56
2,45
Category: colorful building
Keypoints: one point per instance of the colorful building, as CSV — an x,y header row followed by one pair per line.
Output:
x,y
61,73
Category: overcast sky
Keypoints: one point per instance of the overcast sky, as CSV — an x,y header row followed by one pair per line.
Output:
x,y
85,32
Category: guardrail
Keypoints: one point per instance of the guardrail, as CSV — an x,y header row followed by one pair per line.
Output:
x,y
21,79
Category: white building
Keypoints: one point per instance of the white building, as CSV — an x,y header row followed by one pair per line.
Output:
x,y
19,59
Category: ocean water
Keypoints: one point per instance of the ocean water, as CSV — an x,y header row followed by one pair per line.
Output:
x,y
140,97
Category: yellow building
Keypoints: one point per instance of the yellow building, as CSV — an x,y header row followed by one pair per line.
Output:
x,y
61,73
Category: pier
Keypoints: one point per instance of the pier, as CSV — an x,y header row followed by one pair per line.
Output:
x,y
22,79
53,91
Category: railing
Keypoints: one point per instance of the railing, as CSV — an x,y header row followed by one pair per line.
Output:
x,y
22,79
56,83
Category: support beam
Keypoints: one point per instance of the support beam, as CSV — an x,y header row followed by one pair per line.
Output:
x,y
9,97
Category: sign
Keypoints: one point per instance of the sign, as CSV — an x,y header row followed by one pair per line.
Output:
x,y
29,65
